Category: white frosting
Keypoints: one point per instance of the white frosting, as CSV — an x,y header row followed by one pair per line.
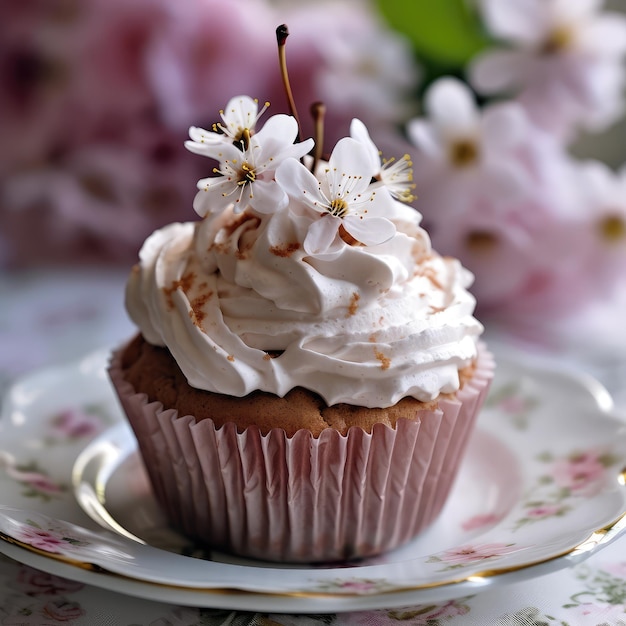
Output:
x,y
368,326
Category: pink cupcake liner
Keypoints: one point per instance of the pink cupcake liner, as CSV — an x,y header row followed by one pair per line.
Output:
x,y
303,498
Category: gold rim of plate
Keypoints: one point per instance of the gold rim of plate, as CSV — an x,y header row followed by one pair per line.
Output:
x,y
593,540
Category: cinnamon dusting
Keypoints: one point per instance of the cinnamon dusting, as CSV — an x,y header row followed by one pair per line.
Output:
x,y
285,251
185,283
197,305
353,307
385,362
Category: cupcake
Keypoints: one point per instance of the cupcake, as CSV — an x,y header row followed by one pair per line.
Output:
x,y
307,370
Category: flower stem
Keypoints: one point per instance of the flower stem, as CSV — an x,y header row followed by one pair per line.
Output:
x,y
282,32
318,111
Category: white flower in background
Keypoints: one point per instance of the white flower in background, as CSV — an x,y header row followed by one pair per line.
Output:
x,y
564,63
359,67
395,175
465,153
239,120
367,67
604,193
349,206
245,175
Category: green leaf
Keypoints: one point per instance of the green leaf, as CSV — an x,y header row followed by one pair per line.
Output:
x,y
448,32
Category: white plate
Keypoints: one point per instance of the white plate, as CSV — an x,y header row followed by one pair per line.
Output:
x,y
541,488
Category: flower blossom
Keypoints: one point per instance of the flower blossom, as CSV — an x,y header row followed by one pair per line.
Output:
x,y
476,552
360,67
246,171
465,154
344,197
395,175
564,62
239,120
603,193
581,474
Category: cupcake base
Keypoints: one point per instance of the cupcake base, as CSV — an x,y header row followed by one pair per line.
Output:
x,y
303,498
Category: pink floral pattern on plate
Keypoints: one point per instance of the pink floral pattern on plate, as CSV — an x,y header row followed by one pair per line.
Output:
x,y
53,538
569,479
36,481
470,554
421,615
75,423
515,401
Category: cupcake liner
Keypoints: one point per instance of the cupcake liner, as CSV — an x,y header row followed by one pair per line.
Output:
x,y
303,498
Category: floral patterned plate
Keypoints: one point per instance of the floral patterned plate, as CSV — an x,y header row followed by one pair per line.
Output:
x,y
541,488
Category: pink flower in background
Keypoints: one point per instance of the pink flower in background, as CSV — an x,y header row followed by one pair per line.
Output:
x,y
465,155
603,193
420,615
207,52
36,583
564,61
61,610
99,202
58,611
366,69
359,68
96,96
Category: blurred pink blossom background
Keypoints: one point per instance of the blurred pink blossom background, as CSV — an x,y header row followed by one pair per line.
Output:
x,y
97,96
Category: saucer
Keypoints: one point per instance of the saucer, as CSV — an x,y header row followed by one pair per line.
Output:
x,y
540,488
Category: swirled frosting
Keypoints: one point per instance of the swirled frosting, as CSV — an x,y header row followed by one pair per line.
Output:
x,y
242,306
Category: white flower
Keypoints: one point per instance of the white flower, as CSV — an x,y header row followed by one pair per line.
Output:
x,y
564,64
368,68
604,192
465,153
239,120
359,66
246,176
395,175
343,196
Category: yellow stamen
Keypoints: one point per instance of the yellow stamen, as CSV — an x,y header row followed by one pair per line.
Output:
x,y
612,228
464,152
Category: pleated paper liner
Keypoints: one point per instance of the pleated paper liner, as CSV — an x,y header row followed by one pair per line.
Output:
x,y
303,498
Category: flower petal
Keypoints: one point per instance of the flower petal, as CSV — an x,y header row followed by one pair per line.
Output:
x,y
504,125
299,183
606,35
451,106
423,137
499,70
275,141
214,197
322,236
522,21
220,150
240,112
352,158
359,131
267,196
370,231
